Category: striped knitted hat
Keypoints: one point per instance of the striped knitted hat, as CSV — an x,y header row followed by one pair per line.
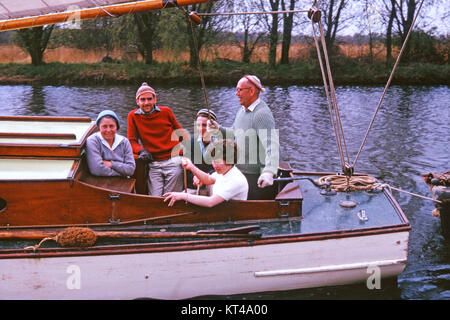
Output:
x,y
254,80
145,88
204,112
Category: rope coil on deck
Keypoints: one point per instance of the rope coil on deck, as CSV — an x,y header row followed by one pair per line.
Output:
x,y
346,183
342,183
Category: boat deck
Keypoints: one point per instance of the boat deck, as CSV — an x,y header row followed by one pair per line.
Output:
x,y
320,215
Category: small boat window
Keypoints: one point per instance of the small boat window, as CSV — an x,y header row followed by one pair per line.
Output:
x,y
2,204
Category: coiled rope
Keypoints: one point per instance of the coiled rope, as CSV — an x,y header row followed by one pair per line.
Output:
x,y
342,183
346,183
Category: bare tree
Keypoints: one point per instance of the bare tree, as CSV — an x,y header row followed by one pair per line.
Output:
x,y
273,37
201,34
272,28
390,6
288,21
404,16
332,11
252,29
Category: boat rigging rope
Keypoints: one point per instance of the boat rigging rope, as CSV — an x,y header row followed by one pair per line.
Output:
x,y
193,18
387,84
103,9
249,13
332,105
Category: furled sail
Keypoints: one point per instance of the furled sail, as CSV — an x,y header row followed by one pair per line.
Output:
x,y
16,14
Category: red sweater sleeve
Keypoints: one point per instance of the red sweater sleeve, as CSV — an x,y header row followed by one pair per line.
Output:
x,y
132,132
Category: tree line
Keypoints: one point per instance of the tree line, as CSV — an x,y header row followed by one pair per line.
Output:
x,y
382,21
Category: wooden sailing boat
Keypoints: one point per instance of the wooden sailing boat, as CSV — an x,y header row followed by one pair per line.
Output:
x,y
305,237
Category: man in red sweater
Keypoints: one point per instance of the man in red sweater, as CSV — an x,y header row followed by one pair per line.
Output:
x,y
154,133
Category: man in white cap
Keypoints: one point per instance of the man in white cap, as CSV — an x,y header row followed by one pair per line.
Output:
x,y
256,137
151,131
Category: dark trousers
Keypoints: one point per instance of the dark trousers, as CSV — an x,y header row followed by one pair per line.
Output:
x,y
257,193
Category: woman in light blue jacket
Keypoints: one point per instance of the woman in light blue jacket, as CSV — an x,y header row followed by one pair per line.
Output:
x,y
108,153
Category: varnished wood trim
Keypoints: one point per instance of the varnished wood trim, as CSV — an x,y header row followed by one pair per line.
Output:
x,y
21,135
46,119
195,245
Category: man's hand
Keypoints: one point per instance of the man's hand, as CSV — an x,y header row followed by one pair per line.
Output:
x,y
186,163
265,179
212,127
145,155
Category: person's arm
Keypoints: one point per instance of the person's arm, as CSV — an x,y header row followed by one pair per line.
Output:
x,y
95,161
218,131
202,201
204,177
128,165
133,134
268,136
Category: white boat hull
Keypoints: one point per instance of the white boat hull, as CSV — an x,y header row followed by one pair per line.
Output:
x,y
218,271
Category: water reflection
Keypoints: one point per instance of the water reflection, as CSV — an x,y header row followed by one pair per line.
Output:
x,y
410,136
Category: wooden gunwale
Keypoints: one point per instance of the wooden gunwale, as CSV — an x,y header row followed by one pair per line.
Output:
x,y
198,245
77,159
45,119
37,135
267,209
26,150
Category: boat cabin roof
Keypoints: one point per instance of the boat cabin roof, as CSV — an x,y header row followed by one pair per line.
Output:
x,y
44,136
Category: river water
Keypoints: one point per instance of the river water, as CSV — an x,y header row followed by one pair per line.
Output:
x,y
410,136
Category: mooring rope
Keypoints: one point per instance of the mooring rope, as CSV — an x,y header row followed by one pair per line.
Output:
x,y
407,192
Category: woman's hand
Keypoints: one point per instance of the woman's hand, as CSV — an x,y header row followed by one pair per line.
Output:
x,y
174,197
107,163
196,182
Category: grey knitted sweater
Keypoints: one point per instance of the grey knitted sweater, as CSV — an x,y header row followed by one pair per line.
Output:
x,y
256,138
120,155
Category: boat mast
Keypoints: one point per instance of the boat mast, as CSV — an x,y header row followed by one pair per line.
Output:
x,y
93,13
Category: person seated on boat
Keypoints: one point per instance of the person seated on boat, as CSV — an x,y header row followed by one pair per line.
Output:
x,y
254,131
109,153
198,149
228,182
152,131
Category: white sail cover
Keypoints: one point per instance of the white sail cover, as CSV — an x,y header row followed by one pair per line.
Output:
x,y
13,9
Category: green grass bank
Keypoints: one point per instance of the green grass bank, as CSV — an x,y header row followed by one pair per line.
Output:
x,y
222,72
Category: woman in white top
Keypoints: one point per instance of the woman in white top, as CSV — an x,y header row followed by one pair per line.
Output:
x,y
228,182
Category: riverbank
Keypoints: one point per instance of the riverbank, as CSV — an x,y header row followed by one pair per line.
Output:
x,y
221,72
